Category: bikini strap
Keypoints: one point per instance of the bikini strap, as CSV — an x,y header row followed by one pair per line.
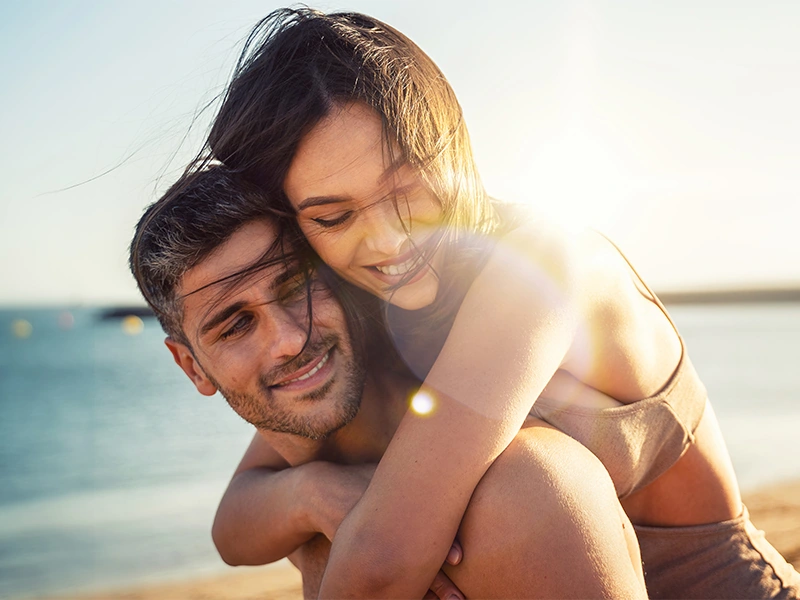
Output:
x,y
652,296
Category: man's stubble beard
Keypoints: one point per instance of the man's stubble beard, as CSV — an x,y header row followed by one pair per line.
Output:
x,y
263,412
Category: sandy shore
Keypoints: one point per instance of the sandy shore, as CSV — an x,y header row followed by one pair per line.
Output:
x,y
776,510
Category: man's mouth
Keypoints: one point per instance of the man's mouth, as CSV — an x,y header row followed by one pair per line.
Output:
x,y
306,372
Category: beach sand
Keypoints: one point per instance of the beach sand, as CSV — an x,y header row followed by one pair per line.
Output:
x,y
775,509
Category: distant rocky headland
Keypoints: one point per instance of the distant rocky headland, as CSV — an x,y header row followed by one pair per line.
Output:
x,y
731,296
120,312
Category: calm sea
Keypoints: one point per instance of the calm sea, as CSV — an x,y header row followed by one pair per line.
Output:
x,y
111,464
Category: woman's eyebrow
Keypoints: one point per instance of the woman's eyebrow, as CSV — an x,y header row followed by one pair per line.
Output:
x,y
321,201
390,171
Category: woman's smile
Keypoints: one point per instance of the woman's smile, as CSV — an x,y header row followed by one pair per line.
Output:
x,y
368,217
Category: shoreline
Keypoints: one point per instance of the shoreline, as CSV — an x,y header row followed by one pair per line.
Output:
x,y
773,508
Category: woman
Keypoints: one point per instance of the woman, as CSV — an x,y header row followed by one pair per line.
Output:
x,y
503,315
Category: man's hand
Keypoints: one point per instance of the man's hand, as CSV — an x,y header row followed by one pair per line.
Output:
x,y
442,587
455,554
344,485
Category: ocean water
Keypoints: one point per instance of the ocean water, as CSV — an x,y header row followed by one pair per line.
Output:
x,y
111,464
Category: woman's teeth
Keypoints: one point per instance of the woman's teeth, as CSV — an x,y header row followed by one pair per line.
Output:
x,y
320,364
400,269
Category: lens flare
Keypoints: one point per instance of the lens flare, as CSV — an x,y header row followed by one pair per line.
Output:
x,y
132,325
423,403
66,320
21,329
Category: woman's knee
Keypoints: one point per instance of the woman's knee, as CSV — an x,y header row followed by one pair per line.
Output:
x,y
544,478
546,516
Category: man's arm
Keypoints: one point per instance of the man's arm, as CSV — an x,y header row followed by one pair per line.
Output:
x,y
269,510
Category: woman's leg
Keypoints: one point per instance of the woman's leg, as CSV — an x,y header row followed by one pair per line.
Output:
x,y
545,522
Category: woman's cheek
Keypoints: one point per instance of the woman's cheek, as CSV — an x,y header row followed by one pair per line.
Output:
x,y
319,241
332,255
334,250
345,273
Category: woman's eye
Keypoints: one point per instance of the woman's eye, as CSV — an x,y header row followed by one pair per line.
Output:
x,y
240,325
333,221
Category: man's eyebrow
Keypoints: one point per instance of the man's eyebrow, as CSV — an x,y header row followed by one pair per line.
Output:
x,y
227,312
222,316
283,277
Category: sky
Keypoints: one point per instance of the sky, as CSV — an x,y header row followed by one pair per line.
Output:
x,y
672,127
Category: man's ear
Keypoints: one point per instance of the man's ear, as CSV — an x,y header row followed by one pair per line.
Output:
x,y
186,361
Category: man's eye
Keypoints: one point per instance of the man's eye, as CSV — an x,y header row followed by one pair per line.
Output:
x,y
333,221
240,325
294,291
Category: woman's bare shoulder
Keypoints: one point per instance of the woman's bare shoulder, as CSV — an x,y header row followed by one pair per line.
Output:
x,y
583,264
625,344
539,253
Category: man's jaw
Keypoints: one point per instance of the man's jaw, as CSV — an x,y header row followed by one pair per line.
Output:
x,y
298,413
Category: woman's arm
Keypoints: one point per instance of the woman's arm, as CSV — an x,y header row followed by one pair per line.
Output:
x,y
269,510
513,331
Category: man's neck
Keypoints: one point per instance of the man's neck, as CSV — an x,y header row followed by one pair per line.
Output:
x,y
366,437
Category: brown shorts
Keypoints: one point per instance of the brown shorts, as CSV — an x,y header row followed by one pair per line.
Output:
x,y
731,559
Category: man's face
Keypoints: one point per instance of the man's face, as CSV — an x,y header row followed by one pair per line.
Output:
x,y
249,341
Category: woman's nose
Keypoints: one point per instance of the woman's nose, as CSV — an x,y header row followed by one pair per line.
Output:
x,y
384,231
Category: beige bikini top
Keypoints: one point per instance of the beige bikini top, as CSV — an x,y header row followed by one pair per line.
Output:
x,y
637,441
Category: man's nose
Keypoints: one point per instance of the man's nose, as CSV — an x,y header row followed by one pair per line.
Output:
x,y
383,230
287,331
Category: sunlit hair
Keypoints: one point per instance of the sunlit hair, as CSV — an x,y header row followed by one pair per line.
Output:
x,y
298,64
198,213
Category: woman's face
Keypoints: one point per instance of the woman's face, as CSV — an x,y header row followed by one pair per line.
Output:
x,y
366,218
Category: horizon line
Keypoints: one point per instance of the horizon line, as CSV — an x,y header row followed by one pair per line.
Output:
x,y
715,295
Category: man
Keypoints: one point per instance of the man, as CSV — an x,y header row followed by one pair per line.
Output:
x,y
247,316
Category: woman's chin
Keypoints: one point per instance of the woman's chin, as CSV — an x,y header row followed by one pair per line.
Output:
x,y
413,296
